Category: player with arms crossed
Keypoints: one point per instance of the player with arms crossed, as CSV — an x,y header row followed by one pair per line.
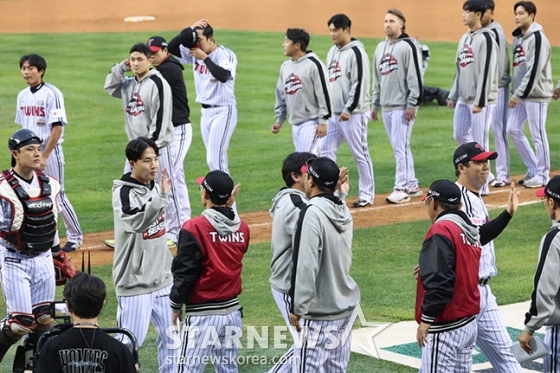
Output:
x,y
348,69
29,243
40,108
214,69
302,93
447,295
142,261
532,89
397,88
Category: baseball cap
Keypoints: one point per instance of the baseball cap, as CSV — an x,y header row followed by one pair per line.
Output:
x,y
471,151
552,189
218,184
156,43
323,170
444,191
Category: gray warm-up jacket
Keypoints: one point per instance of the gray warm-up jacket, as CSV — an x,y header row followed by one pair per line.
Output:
x,y
504,77
476,79
302,92
532,72
348,69
397,74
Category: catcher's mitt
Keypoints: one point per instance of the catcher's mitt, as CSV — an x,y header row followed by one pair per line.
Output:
x,y
63,268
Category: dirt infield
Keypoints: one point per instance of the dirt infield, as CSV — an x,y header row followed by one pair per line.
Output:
x,y
433,20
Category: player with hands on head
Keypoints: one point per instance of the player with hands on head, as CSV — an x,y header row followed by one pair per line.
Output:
x,y
29,243
302,94
545,302
40,108
447,295
142,260
207,278
214,69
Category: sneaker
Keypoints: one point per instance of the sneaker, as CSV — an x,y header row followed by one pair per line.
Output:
x,y
171,243
361,203
499,183
525,179
110,243
533,183
70,246
415,192
398,196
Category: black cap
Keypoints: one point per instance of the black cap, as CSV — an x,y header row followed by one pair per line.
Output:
x,y
324,171
471,151
219,185
444,191
551,190
156,43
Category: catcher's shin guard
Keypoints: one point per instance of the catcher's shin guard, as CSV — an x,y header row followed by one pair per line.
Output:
x,y
11,331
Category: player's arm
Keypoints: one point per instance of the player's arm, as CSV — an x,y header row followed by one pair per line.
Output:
x,y
280,105
137,218
185,268
414,76
357,68
437,263
487,66
159,115
218,72
115,79
322,94
376,87
494,227
454,91
535,59
56,132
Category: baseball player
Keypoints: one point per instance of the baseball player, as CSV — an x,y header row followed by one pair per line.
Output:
x,y
322,257
214,68
532,89
148,108
172,71
397,88
302,93
348,70
29,243
475,89
447,295
545,301
142,261
207,278
498,121
472,169
40,108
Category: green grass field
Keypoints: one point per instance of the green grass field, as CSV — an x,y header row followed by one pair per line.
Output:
x,y
94,149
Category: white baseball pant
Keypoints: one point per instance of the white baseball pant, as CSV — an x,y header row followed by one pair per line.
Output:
x,y
216,125
449,351
354,131
305,137
55,168
499,128
534,113
324,345
551,363
286,361
399,131
210,338
493,338
469,127
180,202
26,281
135,312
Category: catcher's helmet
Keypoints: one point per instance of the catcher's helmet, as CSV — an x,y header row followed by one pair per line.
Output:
x,y
23,137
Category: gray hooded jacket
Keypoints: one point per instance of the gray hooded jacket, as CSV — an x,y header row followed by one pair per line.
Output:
x,y
503,53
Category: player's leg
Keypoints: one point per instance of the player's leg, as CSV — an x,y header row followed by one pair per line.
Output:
x,y
55,168
443,349
334,138
133,313
172,223
466,340
462,123
551,363
338,345
355,131
493,338
194,349
399,131
536,117
499,128
182,142
480,129
229,330
285,362
515,122
305,137
308,348
222,124
161,318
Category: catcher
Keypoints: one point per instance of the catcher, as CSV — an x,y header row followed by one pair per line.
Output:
x,y
29,244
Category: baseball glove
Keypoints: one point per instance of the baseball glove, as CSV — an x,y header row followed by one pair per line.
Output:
x,y
63,268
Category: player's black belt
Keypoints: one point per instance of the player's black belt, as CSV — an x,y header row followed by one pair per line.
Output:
x,y
484,281
204,106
